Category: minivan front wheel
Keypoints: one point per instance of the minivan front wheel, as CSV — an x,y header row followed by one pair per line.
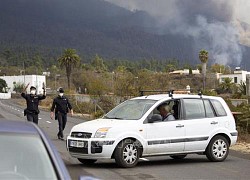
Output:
x,y
217,149
126,153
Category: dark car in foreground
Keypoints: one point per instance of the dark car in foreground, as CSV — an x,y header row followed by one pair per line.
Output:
x,y
26,153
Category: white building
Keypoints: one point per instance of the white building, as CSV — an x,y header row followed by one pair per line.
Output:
x,y
237,77
185,71
33,80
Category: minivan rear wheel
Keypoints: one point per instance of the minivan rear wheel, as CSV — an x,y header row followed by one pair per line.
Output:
x,y
217,149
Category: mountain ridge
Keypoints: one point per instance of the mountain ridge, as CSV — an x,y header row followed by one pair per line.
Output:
x,y
91,27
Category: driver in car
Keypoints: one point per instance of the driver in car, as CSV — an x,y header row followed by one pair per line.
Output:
x,y
165,112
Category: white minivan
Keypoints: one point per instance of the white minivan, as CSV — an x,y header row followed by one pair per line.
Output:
x,y
135,129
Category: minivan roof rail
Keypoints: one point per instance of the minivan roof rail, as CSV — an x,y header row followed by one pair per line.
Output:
x,y
170,92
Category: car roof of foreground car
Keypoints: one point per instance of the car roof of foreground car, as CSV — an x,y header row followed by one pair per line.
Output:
x,y
166,96
17,127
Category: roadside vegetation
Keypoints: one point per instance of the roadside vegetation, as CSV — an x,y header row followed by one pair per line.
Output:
x,y
104,83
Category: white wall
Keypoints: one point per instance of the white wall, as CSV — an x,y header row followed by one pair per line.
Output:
x,y
34,80
241,76
5,95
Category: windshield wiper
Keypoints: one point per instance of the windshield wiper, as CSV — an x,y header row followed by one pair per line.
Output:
x,y
106,117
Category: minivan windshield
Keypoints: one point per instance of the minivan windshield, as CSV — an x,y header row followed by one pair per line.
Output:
x,y
130,110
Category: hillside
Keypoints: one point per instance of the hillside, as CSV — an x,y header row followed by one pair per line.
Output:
x,y
90,26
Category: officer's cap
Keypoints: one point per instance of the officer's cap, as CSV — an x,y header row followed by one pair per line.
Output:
x,y
60,90
32,88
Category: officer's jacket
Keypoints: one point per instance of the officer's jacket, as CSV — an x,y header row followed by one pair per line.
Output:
x,y
61,104
32,101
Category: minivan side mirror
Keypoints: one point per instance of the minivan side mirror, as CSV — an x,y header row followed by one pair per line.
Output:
x,y
155,117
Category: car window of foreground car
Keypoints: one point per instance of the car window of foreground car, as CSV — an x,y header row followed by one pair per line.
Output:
x,y
130,110
23,156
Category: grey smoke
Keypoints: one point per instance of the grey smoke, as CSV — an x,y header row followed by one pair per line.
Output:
x,y
211,23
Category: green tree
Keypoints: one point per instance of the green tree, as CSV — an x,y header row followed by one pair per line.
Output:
x,y
203,56
18,87
69,60
7,54
242,88
98,64
170,68
121,69
219,68
3,86
227,85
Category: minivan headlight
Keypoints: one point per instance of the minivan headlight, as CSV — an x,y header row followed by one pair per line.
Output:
x,y
102,132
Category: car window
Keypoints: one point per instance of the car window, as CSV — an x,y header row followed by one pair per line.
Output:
x,y
209,109
24,157
219,109
194,108
174,108
130,110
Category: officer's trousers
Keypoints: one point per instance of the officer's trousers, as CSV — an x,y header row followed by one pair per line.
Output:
x,y
62,120
32,118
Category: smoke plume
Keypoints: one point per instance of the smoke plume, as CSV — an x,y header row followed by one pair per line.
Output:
x,y
211,23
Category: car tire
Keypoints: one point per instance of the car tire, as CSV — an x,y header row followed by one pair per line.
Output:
x,y
217,149
178,157
127,153
87,161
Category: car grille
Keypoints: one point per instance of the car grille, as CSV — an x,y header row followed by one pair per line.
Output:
x,y
78,150
85,135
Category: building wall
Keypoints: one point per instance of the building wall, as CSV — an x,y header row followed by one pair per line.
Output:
x,y
34,80
237,77
5,95
232,76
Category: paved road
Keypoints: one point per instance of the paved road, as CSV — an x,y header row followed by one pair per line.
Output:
x,y
193,167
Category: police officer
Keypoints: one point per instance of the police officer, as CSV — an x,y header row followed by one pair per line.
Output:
x,y
32,101
61,106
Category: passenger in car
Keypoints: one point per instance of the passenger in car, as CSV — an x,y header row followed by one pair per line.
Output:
x,y
165,112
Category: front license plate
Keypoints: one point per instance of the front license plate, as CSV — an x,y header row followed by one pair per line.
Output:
x,y
79,144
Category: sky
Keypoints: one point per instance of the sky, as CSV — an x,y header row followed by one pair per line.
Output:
x,y
211,23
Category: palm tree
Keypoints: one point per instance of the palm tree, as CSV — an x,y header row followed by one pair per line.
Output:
x,y
69,59
227,85
242,88
203,56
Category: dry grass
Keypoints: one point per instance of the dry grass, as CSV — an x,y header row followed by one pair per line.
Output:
x,y
242,147
243,143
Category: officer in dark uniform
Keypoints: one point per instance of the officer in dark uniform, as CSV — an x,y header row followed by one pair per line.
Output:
x,y
32,101
61,106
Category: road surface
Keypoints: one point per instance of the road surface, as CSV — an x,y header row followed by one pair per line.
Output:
x,y
236,166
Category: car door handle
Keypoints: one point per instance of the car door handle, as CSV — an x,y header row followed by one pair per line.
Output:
x,y
214,122
179,126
